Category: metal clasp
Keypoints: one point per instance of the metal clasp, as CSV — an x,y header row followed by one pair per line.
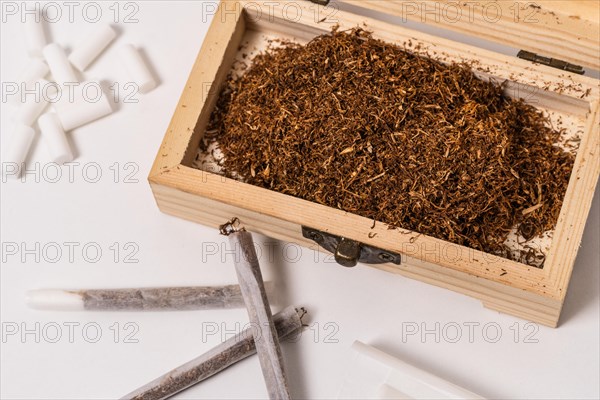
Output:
x,y
348,252
552,62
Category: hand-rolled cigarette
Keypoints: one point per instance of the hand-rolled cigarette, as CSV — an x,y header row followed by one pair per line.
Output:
x,y
259,311
35,103
90,48
55,138
62,71
287,323
137,69
145,299
19,146
34,34
89,104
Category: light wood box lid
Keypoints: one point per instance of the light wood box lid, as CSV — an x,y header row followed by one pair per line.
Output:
x,y
564,30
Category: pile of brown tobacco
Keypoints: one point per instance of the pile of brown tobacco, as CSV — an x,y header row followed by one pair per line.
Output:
x,y
366,127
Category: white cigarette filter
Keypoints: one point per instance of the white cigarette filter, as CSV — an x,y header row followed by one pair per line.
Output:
x,y
51,299
90,48
137,69
60,67
36,69
55,138
89,103
35,37
377,375
18,148
35,102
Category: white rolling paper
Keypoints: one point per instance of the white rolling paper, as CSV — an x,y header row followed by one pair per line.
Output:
x,y
35,37
52,299
136,68
377,375
35,103
55,138
86,51
18,148
89,104
59,64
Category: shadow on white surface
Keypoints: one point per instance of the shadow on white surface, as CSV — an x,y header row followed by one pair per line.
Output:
x,y
293,353
150,66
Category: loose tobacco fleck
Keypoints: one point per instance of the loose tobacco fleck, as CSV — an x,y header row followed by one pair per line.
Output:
x,y
364,126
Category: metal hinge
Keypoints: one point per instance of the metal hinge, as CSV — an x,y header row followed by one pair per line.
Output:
x,y
348,252
552,62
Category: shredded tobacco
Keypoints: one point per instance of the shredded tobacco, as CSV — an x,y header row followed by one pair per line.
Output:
x,y
367,127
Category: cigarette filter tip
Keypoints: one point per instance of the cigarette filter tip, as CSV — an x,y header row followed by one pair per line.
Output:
x,y
54,299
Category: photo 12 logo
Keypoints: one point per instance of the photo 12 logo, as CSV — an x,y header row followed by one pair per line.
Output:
x,y
454,12
68,93
53,12
69,332
71,172
326,333
69,252
470,332
255,11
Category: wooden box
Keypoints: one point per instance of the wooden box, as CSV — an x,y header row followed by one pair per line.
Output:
x,y
548,27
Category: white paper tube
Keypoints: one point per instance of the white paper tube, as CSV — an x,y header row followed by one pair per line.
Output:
x,y
50,299
376,374
19,146
91,47
55,138
89,104
386,392
29,111
59,64
34,35
35,70
136,68
35,103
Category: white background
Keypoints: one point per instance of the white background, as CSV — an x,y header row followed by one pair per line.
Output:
x,y
344,304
